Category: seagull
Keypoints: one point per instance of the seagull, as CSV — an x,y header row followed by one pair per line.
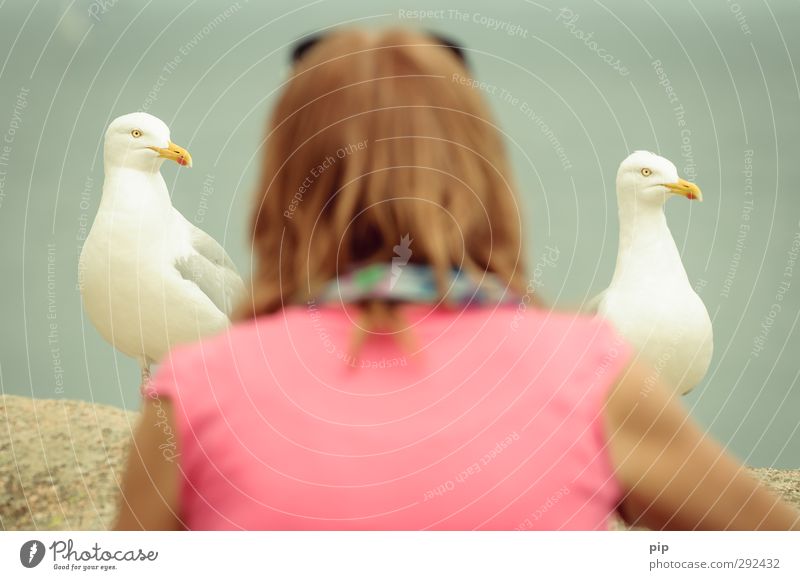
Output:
x,y
650,300
149,278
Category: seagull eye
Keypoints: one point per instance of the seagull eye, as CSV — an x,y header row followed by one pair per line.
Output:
x,y
136,133
646,172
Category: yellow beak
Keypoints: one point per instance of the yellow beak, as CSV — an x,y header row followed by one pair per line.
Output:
x,y
685,188
175,153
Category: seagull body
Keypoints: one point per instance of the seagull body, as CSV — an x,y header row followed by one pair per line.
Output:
x,y
149,278
650,299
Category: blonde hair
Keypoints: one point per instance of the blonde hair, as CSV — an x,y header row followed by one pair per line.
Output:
x,y
378,136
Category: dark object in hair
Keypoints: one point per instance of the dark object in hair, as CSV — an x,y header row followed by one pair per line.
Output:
x,y
303,45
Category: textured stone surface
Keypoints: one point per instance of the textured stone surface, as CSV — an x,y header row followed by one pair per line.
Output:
x,y
786,482
61,462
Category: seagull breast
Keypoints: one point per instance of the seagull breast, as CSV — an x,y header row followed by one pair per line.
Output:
x,y
650,300
149,279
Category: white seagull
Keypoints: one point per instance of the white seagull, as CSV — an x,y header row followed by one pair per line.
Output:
x,y
149,278
650,300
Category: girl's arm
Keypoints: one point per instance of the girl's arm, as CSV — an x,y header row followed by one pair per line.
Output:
x,y
673,475
149,499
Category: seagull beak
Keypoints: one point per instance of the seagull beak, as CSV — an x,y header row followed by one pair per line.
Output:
x,y
685,188
174,152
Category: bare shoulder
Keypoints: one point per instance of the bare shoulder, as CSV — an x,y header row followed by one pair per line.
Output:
x,y
150,489
640,405
673,474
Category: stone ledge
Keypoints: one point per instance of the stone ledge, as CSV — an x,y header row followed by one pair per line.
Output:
x,y
61,462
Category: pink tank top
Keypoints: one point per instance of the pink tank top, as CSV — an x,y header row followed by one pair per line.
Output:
x,y
494,424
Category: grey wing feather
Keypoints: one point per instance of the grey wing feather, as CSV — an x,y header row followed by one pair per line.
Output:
x,y
208,247
212,270
223,287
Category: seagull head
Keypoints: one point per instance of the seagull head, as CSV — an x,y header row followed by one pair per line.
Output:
x,y
142,141
645,177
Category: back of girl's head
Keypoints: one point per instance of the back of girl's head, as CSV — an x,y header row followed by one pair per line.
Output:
x,y
377,138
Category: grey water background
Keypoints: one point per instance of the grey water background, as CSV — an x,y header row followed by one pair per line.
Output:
x,y
575,86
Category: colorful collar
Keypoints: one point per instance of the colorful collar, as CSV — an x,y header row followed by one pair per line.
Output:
x,y
413,283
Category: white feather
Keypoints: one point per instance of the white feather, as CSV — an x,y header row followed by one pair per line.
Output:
x,y
650,299
132,288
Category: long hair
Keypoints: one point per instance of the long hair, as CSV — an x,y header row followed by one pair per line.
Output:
x,y
379,140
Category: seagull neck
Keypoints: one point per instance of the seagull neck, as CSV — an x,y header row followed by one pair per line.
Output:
x,y
645,242
134,188
644,227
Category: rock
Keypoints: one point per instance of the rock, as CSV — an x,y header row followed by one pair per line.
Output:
x,y
785,482
61,463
